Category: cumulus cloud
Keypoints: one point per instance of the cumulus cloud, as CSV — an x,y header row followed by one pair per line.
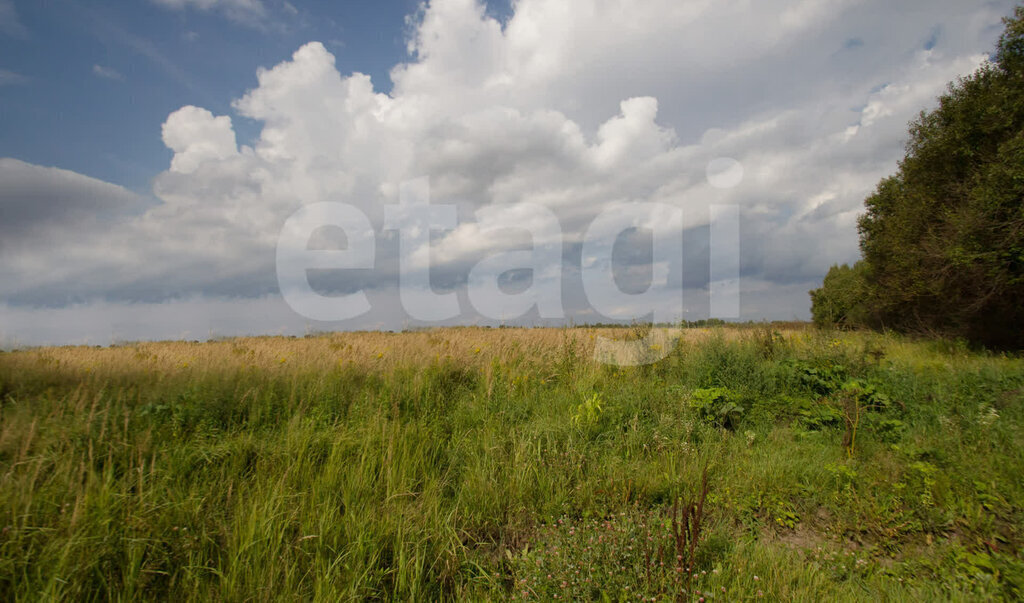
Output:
x,y
196,136
572,105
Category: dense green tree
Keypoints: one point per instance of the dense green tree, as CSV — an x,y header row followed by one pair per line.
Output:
x,y
943,238
839,301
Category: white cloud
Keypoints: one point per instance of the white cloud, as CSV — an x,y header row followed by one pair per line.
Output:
x,y
196,136
10,24
107,73
10,78
243,11
571,104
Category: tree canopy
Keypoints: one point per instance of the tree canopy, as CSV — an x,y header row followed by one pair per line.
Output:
x,y
943,239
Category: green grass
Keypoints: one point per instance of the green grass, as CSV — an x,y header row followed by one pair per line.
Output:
x,y
530,473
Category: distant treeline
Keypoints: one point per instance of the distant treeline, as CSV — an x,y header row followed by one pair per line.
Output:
x,y
943,239
705,323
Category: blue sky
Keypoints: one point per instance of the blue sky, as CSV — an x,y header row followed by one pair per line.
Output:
x,y
152,151
154,59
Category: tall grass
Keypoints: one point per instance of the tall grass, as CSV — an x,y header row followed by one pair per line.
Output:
x,y
496,463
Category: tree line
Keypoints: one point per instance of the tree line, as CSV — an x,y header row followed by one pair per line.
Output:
x,y
942,240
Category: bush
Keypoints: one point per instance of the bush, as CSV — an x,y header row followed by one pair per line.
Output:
x,y
718,406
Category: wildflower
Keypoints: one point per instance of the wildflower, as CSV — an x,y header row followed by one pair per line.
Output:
x,y
756,579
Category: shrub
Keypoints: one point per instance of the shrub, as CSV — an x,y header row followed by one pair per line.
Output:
x,y
718,406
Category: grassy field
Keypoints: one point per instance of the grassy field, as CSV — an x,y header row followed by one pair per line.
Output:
x,y
497,464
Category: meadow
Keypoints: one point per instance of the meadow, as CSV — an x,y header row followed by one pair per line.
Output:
x,y
774,462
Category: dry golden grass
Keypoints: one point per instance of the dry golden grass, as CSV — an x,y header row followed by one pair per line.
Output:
x,y
372,351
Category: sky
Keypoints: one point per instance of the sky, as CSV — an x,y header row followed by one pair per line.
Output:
x,y
152,153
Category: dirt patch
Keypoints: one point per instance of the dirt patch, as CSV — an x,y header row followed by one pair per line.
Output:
x,y
803,537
